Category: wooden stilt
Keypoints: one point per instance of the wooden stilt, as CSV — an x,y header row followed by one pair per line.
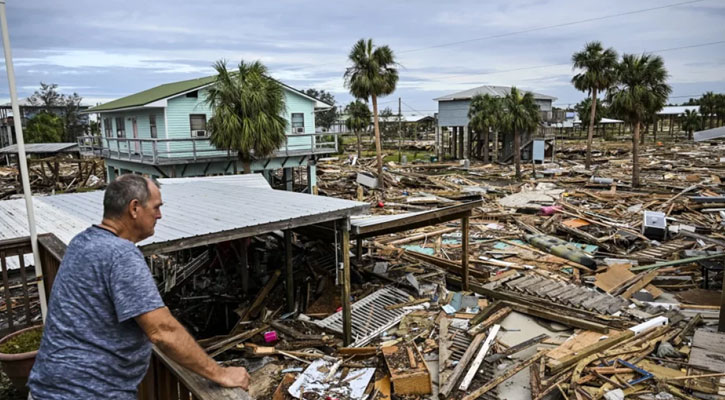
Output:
x,y
346,310
288,264
359,250
464,254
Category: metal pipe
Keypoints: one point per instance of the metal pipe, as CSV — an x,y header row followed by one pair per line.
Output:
x,y
22,161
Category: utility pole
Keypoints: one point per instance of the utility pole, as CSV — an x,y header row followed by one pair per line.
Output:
x,y
22,161
400,132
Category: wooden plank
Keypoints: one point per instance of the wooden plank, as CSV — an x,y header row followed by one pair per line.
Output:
x,y
196,385
506,375
464,251
444,353
476,364
346,307
6,291
496,317
559,365
261,297
289,281
639,285
417,220
516,348
462,365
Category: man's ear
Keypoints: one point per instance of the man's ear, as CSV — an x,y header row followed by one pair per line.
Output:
x,y
133,208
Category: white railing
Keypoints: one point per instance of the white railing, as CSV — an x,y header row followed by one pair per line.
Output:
x,y
169,151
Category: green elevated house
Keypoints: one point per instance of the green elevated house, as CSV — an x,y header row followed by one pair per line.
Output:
x,y
162,132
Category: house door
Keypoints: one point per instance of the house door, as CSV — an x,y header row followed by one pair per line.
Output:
x,y
136,143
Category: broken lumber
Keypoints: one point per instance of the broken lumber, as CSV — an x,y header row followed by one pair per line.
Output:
x,y
446,390
506,375
479,358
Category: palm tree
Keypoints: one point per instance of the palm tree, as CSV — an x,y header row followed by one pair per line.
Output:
x,y
358,119
720,108
690,122
248,109
372,74
484,115
642,90
707,108
521,115
599,72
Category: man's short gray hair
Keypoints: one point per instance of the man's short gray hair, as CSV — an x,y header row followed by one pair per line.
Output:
x,y
122,190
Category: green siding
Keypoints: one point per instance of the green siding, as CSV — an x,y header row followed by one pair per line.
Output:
x,y
142,123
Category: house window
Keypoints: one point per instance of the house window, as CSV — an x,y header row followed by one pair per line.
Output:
x,y
120,127
194,94
107,128
298,123
198,125
152,126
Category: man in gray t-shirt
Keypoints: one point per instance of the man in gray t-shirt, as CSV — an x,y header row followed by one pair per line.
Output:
x,y
105,310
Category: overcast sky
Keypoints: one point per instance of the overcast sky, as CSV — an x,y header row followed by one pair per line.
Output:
x,y
108,49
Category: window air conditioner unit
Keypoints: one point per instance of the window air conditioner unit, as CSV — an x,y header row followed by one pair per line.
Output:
x,y
299,130
199,133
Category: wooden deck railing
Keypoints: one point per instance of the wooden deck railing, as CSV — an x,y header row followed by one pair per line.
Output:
x,y
172,151
19,302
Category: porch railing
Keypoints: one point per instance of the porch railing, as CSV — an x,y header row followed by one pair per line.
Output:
x,y
170,151
19,302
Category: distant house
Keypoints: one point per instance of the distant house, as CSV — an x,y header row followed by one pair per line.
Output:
x,y
27,111
453,136
162,132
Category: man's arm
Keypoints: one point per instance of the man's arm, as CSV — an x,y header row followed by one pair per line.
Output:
x,y
170,336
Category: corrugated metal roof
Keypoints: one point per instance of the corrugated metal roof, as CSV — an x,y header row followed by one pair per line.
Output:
x,y
246,180
41,148
709,134
496,91
677,110
197,207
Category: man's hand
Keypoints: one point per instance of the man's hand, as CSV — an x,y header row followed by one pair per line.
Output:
x,y
233,377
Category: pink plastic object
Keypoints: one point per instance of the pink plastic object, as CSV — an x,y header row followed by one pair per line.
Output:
x,y
270,336
549,210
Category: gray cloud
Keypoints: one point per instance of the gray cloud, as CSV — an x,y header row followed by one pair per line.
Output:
x,y
110,49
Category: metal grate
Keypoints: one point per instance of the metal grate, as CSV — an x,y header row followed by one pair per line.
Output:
x,y
369,316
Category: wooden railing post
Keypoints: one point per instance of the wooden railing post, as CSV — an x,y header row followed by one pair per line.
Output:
x,y
52,251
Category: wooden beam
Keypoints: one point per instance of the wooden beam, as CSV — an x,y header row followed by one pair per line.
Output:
x,y
417,220
508,374
346,309
721,324
589,350
465,228
290,270
479,358
462,365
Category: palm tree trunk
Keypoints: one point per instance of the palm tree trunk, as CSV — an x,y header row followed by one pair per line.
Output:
x,y
378,148
590,134
644,134
359,149
485,145
635,155
495,145
246,163
517,153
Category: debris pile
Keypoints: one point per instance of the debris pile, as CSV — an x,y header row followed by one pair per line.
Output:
x,y
580,286
54,175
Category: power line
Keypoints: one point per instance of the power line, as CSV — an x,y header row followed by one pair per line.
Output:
x,y
567,63
500,35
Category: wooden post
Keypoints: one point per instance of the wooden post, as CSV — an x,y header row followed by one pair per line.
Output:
x,y
346,310
721,323
288,264
244,264
359,250
464,250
